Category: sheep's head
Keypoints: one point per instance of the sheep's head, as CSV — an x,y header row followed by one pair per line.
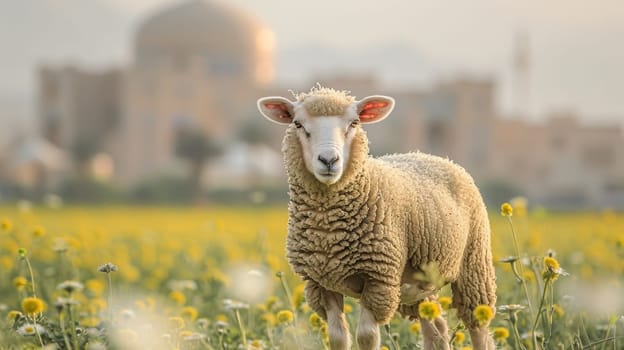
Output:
x,y
326,122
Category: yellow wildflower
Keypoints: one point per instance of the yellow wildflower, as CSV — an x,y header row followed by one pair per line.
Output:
x,y
445,302
6,225
500,334
32,306
298,296
20,282
483,314
383,347
6,262
189,313
285,316
184,334
95,286
528,276
558,310
324,331
415,327
459,339
90,322
12,315
269,318
221,318
347,308
551,263
271,302
273,262
256,344
506,209
39,231
428,310
315,321
178,297
552,270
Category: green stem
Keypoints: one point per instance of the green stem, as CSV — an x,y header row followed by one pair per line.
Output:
x,y
519,344
110,297
550,312
240,326
221,340
34,318
539,313
395,346
517,253
62,322
291,302
32,276
72,324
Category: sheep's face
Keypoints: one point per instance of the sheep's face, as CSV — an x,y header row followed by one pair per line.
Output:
x,y
326,139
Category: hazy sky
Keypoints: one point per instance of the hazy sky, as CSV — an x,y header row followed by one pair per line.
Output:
x,y
577,46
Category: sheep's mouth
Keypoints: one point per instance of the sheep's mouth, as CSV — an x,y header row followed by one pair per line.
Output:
x,y
328,177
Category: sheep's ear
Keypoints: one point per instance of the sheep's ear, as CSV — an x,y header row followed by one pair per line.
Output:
x,y
276,109
373,109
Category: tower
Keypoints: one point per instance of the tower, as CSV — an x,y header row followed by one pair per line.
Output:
x,y
521,94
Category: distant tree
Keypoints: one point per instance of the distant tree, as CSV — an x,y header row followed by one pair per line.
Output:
x,y
254,133
194,146
82,150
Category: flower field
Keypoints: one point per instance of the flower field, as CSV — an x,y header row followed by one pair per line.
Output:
x,y
216,278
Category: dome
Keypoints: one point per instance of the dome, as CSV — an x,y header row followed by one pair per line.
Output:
x,y
211,29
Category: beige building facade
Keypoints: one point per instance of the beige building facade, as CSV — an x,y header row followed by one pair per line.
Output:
x,y
195,66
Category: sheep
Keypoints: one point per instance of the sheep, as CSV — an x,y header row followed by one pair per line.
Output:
x,y
370,228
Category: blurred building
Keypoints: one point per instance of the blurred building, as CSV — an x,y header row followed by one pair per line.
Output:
x,y
193,65
201,65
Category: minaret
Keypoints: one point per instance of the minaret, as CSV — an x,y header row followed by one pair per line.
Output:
x,y
521,103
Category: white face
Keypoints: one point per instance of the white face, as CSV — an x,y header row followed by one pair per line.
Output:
x,y
326,140
326,143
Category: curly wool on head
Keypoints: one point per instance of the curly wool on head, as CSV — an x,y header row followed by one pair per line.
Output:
x,y
321,101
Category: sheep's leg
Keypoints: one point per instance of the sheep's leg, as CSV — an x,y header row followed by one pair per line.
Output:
x,y
435,334
476,285
368,337
339,337
314,297
378,303
329,305
481,338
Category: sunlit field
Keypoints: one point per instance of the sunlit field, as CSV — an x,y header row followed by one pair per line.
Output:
x,y
216,278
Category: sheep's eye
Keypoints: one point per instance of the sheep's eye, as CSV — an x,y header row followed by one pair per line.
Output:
x,y
355,123
297,124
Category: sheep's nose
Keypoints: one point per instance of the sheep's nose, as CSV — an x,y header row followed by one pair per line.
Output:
x,y
328,160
